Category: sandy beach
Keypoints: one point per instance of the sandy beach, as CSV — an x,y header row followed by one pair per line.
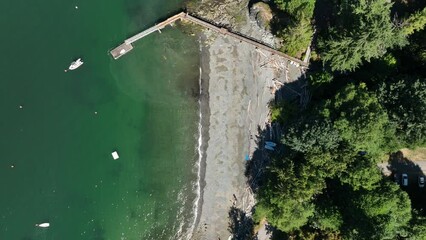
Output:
x,y
238,81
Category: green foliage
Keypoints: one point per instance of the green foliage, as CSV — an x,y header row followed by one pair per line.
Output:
x,y
362,173
276,113
324,145
328,185
389,60
297,8
386,212
284,214
415,22
417,231
354,116
359,117
285,203
405,102
320,78
298,32
312,136
327,217
296,37
366,33
282,111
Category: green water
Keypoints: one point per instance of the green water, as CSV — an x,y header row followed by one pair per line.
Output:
x,y
146,104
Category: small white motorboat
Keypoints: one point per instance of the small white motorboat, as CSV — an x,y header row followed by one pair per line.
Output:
x,y
76,64
43,225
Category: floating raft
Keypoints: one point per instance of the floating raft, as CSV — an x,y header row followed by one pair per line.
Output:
x,y
115,155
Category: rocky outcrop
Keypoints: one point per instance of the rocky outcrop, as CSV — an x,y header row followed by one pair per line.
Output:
x,y
262,13
234,15
223,12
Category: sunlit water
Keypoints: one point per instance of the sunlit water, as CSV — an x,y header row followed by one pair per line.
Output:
x,y
60,150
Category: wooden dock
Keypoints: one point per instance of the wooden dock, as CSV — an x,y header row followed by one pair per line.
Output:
x,y
127,45
155,28
121,50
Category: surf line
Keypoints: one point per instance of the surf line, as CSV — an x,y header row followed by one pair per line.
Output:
x,y
200,158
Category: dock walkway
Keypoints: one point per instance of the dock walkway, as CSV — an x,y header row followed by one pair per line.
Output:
x,y
127,45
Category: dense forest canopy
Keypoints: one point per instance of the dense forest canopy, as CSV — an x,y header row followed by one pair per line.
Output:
x,y
368,84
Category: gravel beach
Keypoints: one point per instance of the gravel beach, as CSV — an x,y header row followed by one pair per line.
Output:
x,y
238,81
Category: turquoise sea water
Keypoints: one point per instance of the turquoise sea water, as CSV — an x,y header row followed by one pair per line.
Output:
x,y
146,104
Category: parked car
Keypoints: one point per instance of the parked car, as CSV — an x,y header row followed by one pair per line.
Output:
x,y
421,181
404,179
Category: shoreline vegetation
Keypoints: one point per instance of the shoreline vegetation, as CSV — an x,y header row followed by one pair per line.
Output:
x,y
361,99
366,99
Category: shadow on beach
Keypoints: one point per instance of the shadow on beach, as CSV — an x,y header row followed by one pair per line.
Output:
x,y
241,224
294,92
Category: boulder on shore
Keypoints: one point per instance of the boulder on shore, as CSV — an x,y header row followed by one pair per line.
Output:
x,y
262,13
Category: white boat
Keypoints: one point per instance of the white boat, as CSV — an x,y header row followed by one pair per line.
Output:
x,y
76,64
43,225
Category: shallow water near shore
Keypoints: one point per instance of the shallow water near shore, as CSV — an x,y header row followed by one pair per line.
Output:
x,y
56,163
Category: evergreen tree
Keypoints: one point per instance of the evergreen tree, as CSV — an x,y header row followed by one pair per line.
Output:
x,y
415,22
405,102
297,37
366,32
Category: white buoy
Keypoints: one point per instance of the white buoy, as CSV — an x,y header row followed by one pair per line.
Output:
x,y
43,225
21,107
76,7
115,155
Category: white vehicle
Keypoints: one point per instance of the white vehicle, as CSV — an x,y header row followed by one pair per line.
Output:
x,y
404,179
76,64
43,225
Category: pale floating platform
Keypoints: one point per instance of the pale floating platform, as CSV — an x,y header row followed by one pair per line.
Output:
x,y
115,155
121,50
